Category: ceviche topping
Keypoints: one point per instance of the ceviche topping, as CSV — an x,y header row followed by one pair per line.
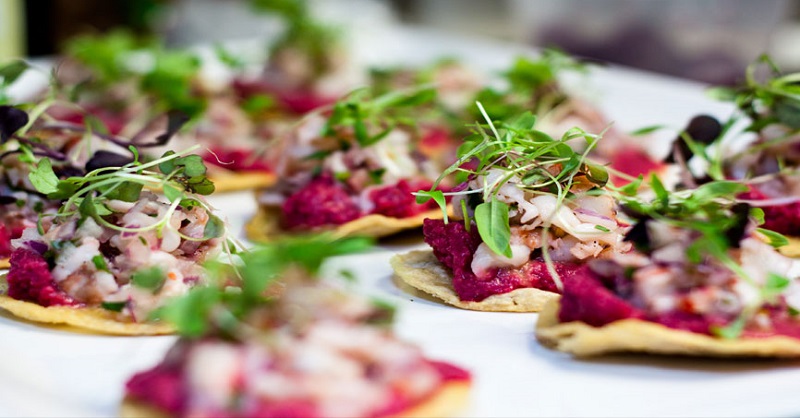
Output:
x,y
113,242
357,160
314,350
531,197
700,264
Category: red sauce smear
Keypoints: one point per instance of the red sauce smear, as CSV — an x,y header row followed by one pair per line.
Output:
x,y
29,279
454,247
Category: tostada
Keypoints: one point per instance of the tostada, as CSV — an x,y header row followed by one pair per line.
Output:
x,y
114,251
314,351
351,169
703,280
530,213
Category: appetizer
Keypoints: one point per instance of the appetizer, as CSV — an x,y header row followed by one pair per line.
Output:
x,y
701,281
351,170
314,351
528,215
114,251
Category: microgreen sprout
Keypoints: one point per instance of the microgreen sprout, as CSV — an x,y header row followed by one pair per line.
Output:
x,y
234,303
718,221
182,180
543,165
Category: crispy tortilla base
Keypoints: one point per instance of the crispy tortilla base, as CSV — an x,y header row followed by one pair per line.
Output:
x,y
636,336
449,401
4,263
265,225
792,249
421,269
230,181
81,318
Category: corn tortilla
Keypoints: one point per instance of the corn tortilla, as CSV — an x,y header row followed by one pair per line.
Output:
x,y
265,225
4,263
230,181
637,336
421,270
81,318
448,401
792,249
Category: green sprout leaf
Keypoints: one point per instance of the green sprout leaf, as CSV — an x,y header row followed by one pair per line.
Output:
x,y
774,239
492,220
43,177
731,331
437,195
151,278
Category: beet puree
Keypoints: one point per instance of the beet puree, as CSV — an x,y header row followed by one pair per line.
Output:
x,y
29,279
633,162
235,159
323,201
165,389
454,247
5,242
783,218
597,301
396,201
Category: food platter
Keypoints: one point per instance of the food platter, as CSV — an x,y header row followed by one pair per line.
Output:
x,y
49,372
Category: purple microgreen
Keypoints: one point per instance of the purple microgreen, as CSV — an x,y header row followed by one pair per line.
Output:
x,y
104,159
11,120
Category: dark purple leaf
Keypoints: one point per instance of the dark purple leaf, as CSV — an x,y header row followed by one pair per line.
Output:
x,y
175,121
102,159
7,200
11,120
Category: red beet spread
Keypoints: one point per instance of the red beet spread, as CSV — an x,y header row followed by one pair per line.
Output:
x,y
163,388
236,159
5,242
782,218
29,279
633,162
325,201
454,247
598,301
295,101
397,201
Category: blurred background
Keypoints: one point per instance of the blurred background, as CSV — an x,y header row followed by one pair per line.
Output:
x,y
706,40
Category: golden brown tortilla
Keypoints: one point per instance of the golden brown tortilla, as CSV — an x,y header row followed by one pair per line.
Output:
x,y
230,181
265,225
792,249
421,270
636,336
448,401
5,263
82,318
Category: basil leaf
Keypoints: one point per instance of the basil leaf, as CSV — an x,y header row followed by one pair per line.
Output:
x,y
492,220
